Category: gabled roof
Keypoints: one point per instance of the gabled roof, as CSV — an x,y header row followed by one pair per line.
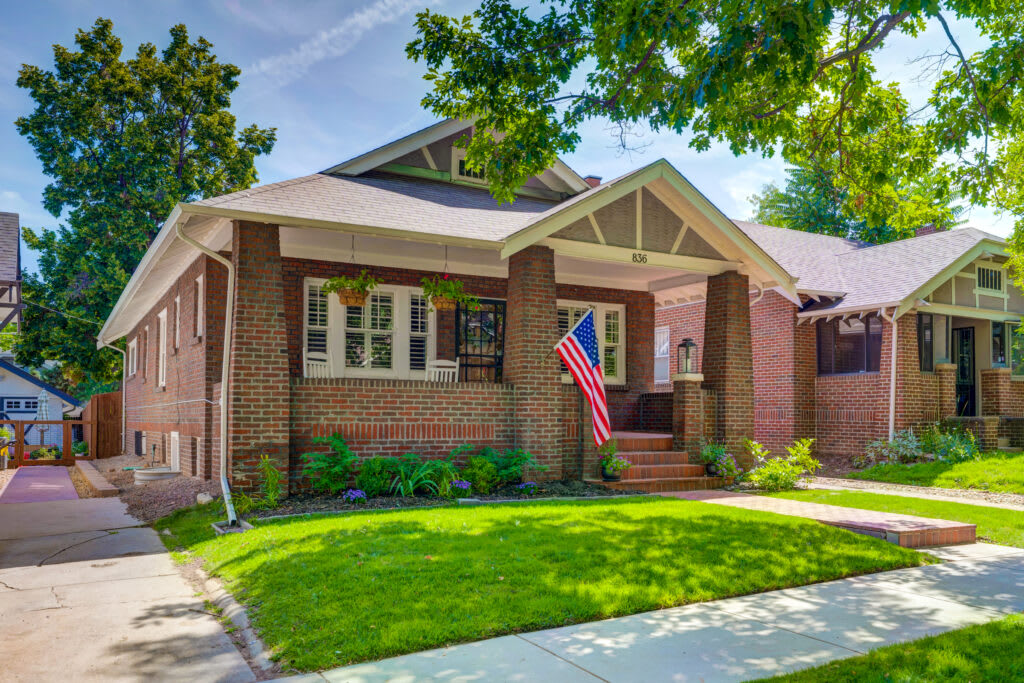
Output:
x,y
861,276
389,152
29,377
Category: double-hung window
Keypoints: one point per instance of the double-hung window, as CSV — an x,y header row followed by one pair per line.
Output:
x,y
133,356
662,335
849,346
391,335
161,354
926,341
1007,347
610,325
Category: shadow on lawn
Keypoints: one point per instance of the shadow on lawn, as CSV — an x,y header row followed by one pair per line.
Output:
x,y
368,586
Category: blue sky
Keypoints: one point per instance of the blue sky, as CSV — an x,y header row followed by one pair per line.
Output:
x,y
333,78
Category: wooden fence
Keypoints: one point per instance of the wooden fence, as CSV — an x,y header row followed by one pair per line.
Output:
x,y
104,411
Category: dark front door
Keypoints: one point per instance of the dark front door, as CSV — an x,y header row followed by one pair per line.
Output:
x,y
963,347
480,337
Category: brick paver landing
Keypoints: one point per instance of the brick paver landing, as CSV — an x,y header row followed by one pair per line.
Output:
x,y
905,530
39,484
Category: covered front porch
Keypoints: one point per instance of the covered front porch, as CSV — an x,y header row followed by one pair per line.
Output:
x,y
306,365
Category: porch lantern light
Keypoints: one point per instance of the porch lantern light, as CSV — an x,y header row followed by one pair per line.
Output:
x,y
686,356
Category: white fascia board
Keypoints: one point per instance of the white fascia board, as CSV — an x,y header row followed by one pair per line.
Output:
x,y
392,150
983,246
159,246
786,281
821,313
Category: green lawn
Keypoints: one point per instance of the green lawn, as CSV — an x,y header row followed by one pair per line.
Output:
x,y
1000,472
989,652
331,590
995,525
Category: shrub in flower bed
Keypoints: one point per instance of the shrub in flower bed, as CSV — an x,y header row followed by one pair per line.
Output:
x,y
933,442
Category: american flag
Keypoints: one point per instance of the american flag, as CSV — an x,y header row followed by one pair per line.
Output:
x,y
579,351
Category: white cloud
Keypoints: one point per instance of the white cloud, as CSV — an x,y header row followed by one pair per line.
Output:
x,y
333,42
741,186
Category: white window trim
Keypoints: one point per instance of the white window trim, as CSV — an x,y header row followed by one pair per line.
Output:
x,y
161,357
980,291
667,356
599,312
133,357
177,322
459,154
400,341
200,306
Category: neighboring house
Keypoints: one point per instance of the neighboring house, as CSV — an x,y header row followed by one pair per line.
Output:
x,y
404,211
11,306
19,400
825,368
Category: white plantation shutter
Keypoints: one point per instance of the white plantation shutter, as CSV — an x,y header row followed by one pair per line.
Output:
x,y
316,319
418,332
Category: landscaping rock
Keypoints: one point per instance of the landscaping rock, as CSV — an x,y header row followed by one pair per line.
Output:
x,y
203,498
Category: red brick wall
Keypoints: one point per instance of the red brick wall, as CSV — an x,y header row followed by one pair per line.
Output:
x,y
182,404
1001,394
843,412
258,393
393,417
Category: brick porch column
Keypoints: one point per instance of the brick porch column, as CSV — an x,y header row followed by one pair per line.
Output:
x,y
727,363
946,374
995,391
687,412
531,332
259,384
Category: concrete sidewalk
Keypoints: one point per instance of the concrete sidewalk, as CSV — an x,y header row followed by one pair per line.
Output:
x,y
86,594
740,638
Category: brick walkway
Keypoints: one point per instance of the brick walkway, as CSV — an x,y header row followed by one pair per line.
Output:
x,y
905,530
39,484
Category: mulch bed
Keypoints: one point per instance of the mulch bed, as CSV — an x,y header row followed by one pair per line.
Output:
x,y
306,503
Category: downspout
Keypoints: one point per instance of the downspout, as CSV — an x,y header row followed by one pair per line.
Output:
x,y
124,394
225,487
892,371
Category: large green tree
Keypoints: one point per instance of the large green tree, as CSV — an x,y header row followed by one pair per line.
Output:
x,y
795,77
123,141
811,201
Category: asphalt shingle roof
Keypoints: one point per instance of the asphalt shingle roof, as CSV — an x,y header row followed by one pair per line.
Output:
x,y
868,274
389,201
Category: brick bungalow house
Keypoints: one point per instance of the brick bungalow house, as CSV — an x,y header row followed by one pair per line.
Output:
x,y
405,210
826,367
258,258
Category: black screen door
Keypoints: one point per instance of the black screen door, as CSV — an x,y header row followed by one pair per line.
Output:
x,y
480,339
963,345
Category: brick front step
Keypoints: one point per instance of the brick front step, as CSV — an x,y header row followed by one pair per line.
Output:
x,y
665,485
642,441
670,471
656,457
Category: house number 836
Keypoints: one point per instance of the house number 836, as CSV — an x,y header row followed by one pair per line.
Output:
x,y
639,257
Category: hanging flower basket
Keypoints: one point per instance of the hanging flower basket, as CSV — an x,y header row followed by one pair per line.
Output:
x,y
445,292
351,291
443,303
351,297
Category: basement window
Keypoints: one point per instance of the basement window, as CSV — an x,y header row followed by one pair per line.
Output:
x,y
851,346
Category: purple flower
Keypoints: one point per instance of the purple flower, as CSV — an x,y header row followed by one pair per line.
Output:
x,y
528,487
354,496
461,484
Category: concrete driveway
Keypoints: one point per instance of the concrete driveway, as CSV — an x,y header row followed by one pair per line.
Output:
x,y
86,594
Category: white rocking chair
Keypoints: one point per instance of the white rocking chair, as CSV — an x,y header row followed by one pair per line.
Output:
x,y
317,364
443,371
